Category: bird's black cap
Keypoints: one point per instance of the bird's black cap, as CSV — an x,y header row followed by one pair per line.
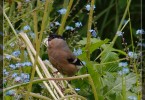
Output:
x,y
53,36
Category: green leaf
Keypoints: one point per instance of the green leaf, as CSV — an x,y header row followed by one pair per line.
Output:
x,y
109,60
117,85
95,76
96,45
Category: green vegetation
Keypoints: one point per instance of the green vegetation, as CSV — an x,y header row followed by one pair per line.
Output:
x,y
106,35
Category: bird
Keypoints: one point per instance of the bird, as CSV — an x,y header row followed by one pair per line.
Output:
x,y
61,57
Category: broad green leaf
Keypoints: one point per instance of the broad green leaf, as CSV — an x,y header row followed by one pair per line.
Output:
x,y
96,45
109,60
117,85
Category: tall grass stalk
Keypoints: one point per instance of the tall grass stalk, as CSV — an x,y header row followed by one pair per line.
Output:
x,y
119,28
38,42
9,22
64,18
89,28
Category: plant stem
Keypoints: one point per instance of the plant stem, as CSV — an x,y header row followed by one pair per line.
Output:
x,y
69,96
59,79
61,28
37,48
93,87
119,28
46,79
89,28
10,24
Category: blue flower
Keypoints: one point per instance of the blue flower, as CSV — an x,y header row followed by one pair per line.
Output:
x,y
77,52
88,7
32,34
119,33
132,55
16,53
14,75
25,77
11,92
132,98
27,64
78,24
5,72
62,11
93,32
56,23
18,65
125,70
12,66
26,28
69,28
140,31
77,89
8,57
18,79
123,64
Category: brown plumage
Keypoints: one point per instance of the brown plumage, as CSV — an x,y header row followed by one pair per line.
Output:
x,y
61,57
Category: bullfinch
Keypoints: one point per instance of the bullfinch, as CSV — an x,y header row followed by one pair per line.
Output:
x,y
61,57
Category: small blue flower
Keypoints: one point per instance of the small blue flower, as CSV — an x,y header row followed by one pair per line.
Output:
x,y
8,57
141,44
19,65
119,33
27,64
69,28
93,32
5,72
32,34
132,55
11,92
140,31
25,77
26,28
77,52
18,79
62,11
125,70
51,24
132,98
16,53
88,7
78,24
12,66
77,89
14,75
56,23
123,64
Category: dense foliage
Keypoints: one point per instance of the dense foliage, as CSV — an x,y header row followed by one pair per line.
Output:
x,y
106,36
